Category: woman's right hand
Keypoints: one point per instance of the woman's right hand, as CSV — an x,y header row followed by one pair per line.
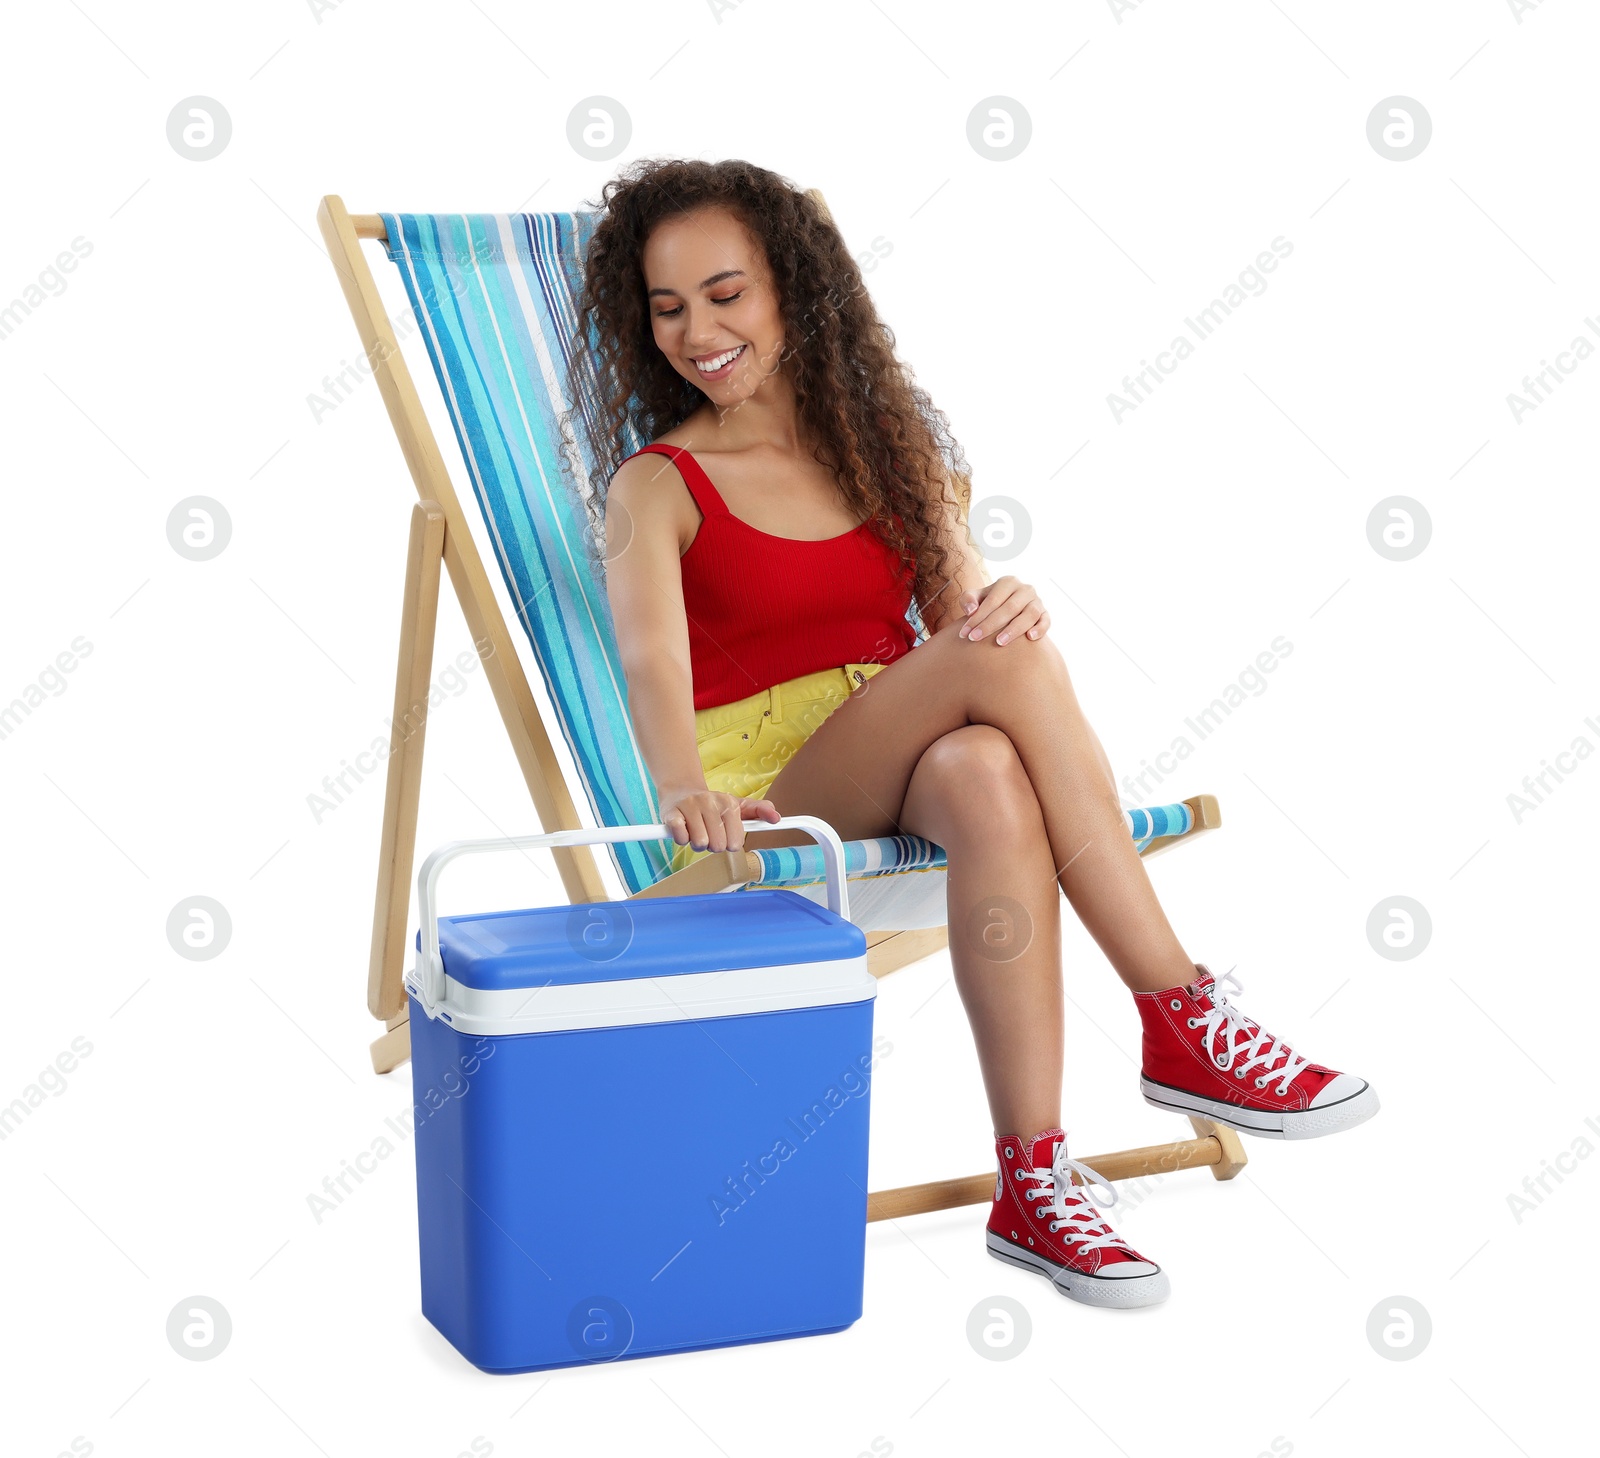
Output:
x,y
710,819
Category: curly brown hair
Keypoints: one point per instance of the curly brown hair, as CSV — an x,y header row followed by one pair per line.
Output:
x,y
871,424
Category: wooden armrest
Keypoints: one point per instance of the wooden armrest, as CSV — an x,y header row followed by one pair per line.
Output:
x,y
1207,816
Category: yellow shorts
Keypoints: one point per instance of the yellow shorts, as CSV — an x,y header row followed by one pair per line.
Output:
x,y
745,745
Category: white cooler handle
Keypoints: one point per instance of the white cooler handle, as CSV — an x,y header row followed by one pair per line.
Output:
x,y
430,966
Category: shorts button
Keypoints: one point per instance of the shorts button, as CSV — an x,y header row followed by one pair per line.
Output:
x,y
766,711
860,677
744,736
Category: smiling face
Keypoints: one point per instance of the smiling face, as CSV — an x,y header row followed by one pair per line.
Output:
x,y
713,305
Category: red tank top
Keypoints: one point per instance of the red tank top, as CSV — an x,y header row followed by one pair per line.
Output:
x,y
765,609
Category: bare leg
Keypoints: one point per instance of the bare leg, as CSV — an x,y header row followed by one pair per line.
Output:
x,y
975,751
970,794
856,770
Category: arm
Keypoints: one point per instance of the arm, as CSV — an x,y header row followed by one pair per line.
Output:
x,y
645,521
645,587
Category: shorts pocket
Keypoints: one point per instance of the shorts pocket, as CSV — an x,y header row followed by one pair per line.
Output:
x,y
719,750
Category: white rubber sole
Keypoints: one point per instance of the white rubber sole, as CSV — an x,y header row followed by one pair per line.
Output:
x,y
1294,1124
1111,1291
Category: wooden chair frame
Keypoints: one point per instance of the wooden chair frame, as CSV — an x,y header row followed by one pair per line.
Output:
x,y
440,533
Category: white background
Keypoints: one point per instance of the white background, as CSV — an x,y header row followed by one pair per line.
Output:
x,y
1170,145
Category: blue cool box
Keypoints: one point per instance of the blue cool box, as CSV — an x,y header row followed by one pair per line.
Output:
x,y
642,1126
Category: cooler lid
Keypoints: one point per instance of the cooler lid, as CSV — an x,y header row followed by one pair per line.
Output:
x,y
651,936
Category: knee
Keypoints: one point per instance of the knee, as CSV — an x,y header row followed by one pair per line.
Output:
x,y
979,780
1022,661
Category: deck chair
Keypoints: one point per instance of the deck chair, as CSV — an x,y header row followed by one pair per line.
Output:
x,y
494,297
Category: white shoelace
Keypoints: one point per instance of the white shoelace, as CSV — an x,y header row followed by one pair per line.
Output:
x,y
1073,1211
1223,1020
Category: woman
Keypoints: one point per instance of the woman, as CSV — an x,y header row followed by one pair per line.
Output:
x,y
762,553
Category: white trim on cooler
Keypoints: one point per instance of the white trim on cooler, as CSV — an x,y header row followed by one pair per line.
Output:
x,y
680,997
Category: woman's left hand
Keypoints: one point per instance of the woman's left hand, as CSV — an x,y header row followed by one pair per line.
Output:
x,y
1003,610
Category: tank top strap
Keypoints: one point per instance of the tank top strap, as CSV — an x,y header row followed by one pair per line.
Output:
x,y
706,496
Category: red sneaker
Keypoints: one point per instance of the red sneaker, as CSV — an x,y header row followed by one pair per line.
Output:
x,y
1081,1254
1203,1056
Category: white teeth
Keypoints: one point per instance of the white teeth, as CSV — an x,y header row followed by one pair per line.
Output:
x,y
716,362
